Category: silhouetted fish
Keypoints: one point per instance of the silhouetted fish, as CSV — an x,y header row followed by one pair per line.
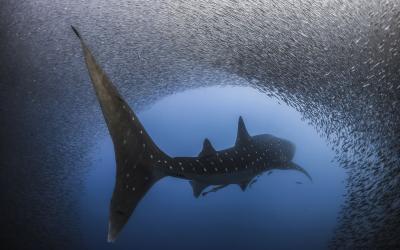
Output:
x,y
140,163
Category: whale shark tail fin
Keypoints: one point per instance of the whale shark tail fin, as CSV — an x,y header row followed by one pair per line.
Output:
x,y
135,151
294,166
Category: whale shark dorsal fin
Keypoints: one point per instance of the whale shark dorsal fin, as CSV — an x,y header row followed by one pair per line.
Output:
x,y
242,134
198,187
208,149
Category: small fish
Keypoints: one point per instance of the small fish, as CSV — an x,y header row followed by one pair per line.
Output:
x,y
141,163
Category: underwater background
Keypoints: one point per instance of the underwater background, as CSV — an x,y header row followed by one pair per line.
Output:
x,y
281,205
322,74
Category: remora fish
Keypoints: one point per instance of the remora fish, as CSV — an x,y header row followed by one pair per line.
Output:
x,y
140,163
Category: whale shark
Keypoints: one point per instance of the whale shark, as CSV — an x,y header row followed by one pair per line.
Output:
x,y
140,163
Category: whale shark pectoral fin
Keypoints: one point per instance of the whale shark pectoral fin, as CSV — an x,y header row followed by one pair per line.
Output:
x,y
242,134
243,185
215,189
208,149
198,187
294,166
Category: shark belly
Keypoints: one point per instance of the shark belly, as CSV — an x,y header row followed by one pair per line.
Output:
x,y
218,170
225,179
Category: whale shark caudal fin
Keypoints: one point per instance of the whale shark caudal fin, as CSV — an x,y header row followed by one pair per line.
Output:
x,y
135,152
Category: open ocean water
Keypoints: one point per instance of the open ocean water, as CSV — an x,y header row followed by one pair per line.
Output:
x,y
323,75
282,210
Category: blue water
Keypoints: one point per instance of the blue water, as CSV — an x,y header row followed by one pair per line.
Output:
x,y
275,213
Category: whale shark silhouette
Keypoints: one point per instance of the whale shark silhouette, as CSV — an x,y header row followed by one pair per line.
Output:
x,y
140,163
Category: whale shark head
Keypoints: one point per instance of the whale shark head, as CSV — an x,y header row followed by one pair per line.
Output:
x,y
282,149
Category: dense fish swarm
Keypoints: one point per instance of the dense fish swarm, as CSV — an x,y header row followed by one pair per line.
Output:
x,y
337,62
